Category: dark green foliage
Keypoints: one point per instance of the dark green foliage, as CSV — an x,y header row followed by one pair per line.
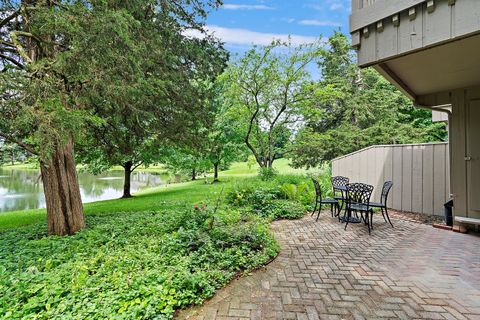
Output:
x,y
128,266
354,109
266,202
302,192
284,197
283,209
252,195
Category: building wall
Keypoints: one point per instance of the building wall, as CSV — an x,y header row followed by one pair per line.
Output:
x,y
420,174
385,29
465,138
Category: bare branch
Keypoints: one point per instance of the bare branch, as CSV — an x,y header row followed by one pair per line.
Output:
x,y
22,144
136,166
10,59
9,18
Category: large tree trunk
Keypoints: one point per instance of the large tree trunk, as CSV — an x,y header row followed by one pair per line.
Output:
x,y
194,174
215,172
62,192
127,181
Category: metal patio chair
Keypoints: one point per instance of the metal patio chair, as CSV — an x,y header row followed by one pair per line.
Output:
x,y
387,186
358,201
319,200
339,184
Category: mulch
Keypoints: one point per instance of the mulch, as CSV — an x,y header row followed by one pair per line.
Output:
x,y
417,217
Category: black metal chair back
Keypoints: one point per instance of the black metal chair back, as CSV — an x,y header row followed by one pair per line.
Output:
x,y
339,181
385,191
318,189
359,193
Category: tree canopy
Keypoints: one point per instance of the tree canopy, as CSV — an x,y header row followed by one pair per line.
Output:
x,y
268,88
354,109
70,66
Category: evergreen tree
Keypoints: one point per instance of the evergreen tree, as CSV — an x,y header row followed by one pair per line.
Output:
x,y
354,109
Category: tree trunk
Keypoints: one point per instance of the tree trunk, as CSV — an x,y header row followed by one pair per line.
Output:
x,y
13,157
215,172
62,192
127,166
194,174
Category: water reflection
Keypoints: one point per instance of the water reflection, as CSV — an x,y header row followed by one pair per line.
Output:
x,y
22,189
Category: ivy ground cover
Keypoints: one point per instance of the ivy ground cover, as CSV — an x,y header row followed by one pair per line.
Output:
x,y
147,264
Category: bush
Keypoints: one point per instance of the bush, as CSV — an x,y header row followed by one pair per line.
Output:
x,y
125,266
282,209
267,174
252,195
268,201
303,192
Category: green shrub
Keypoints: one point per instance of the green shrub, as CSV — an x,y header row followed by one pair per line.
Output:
x,y
267,174
252,195
128,266
323,176
282,209
266,201
289,191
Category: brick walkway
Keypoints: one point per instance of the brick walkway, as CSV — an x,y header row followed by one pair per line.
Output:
x,y
323,272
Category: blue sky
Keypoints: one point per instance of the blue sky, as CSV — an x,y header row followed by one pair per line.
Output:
x,y
241,23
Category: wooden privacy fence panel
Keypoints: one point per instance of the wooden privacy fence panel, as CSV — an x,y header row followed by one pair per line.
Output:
x,y
420,174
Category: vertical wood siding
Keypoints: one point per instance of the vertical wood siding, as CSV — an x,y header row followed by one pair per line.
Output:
x,y
446,22
420,174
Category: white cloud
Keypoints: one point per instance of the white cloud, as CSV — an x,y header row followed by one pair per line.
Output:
x,y
246,7
336,6
320,23
234,36
331,5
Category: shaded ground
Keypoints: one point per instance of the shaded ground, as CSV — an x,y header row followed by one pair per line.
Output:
x,y
412,271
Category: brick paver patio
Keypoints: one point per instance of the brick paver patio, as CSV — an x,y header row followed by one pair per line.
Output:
x,y
323,272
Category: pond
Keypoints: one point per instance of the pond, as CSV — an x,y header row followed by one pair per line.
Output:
x,y
21,189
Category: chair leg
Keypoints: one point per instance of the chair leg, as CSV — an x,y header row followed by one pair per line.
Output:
x,y
347,219
368,222
314,209
371,219
388,217
331,209
383,214
319,209
344,216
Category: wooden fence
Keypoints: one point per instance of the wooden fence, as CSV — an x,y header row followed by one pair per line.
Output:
x,y
420,174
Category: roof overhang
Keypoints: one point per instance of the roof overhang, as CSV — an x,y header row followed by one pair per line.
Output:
x,y
443,68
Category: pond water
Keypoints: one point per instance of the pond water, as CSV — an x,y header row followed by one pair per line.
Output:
x,y
21,189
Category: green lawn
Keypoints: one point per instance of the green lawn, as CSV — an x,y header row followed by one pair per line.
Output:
x,y
281,165
162,197
24,166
